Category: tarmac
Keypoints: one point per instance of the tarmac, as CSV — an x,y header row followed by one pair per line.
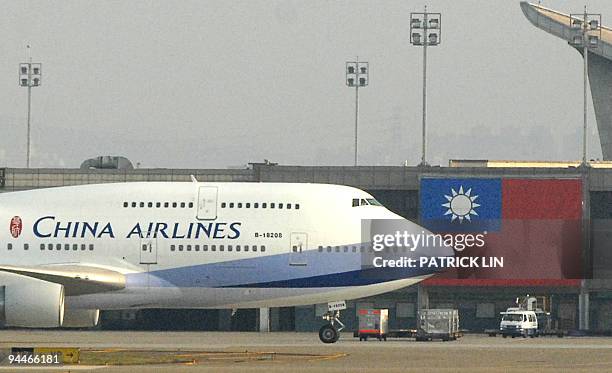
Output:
x,y
127,351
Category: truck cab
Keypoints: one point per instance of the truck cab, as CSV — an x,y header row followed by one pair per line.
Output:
x,y
518,322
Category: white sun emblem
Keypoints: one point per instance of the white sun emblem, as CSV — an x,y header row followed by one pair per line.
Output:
x,y
461,205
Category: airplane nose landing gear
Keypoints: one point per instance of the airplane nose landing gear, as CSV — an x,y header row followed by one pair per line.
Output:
x,y
330,333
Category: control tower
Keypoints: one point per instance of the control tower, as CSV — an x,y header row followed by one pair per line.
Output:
x,y
599,65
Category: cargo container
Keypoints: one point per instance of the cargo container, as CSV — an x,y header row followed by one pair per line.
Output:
x,y
438,324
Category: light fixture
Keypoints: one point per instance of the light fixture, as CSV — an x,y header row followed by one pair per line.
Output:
x,y
433,39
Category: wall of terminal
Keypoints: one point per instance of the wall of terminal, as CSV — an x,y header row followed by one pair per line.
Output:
x,y
365,177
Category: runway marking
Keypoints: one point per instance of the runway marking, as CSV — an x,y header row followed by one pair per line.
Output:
x,y
141,357
331,357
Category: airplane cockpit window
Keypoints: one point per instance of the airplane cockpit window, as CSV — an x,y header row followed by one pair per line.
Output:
x,y
365,202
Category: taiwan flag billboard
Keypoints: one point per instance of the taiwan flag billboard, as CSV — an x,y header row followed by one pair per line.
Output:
x,y
533,225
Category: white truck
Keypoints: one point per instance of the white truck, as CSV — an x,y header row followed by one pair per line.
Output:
x,y
518,322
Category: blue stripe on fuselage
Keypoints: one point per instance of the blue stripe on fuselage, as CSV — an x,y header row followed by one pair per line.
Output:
x,y
322,269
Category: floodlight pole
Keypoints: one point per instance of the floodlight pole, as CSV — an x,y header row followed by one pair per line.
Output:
x,y
356,116
29,76
425,31
29,107
424,131
357,75
586,76
589,36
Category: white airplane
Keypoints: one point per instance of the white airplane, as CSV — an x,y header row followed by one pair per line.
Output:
x,y
68,252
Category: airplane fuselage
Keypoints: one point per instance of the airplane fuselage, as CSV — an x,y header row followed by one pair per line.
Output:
x,y
200,245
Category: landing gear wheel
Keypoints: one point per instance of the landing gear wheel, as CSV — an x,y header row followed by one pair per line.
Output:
x,y
328,334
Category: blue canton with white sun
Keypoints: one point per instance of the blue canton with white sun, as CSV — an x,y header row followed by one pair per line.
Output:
x,y
461,204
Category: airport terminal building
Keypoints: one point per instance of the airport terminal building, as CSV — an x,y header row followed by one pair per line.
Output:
x,y
551,221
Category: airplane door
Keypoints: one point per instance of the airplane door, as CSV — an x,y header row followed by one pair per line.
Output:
x,y
297,253
148,250
207,203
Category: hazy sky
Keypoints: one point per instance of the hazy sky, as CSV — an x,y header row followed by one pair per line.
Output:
x,y
201,84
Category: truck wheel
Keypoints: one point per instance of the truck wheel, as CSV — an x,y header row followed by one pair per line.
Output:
x,y
328,334
504,335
